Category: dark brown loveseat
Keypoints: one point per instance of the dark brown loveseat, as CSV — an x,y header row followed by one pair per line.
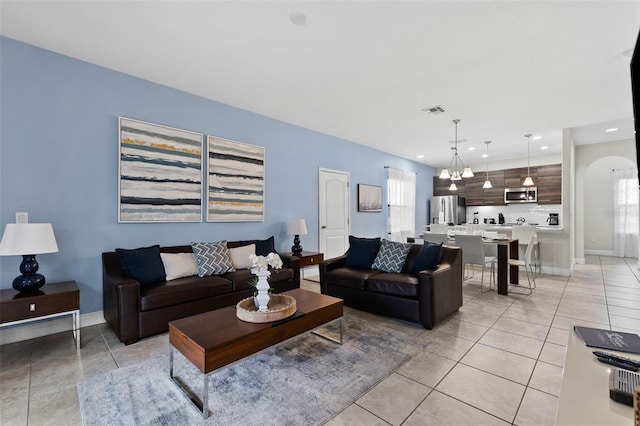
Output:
x,y
135,311
426,297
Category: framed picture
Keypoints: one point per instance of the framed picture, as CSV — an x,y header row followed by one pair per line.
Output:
x,y
235,181
369,198
160,173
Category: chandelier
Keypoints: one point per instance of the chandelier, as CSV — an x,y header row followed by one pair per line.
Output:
x,y
459,170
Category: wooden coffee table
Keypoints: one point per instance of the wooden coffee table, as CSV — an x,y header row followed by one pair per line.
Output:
x,y
218,338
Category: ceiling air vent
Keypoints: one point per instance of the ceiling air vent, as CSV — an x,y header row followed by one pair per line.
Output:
x,y
434,110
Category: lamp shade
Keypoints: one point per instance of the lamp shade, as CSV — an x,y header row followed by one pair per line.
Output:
x,y
28,238
296,227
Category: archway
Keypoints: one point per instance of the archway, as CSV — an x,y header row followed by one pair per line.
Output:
x,y
598,206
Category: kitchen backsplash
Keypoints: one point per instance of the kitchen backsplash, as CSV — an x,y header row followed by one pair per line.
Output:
x,y
532,213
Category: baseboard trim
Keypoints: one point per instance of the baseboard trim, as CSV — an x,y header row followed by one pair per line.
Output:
x,y
599,252
579,261
35,329
556,271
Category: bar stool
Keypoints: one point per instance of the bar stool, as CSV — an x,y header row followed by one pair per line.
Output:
x,y
523,234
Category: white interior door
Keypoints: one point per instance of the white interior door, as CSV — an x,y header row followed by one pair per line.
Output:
x,y
334,212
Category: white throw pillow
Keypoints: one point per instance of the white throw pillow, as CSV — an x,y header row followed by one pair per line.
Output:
x,y
240,256
178,265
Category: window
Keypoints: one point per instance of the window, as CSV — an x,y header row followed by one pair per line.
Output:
x,y
401,200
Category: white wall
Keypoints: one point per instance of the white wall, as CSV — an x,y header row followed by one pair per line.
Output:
x,y
586,155
598,210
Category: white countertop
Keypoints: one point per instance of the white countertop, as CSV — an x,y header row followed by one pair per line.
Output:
x,y
551,228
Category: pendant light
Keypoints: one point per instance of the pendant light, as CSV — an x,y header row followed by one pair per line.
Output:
x,y
454,173
528,181
487,183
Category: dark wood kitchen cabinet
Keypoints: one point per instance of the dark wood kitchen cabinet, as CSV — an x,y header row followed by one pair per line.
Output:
x,y
549,184
513,178
476,195
441,187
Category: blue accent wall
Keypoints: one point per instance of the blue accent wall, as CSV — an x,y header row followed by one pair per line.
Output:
x,y
59,163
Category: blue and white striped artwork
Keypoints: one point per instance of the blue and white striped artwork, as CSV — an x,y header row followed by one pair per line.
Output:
x,y
235,181
160,173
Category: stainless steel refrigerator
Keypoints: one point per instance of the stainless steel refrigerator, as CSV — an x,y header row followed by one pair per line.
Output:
x,y
448,209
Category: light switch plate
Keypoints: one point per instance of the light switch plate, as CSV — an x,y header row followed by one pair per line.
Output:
x,y
22,217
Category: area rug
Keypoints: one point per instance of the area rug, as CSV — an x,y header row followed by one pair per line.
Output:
x,y
303,381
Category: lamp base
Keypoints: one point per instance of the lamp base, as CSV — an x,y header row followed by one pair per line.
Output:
x,y
296,249
29,281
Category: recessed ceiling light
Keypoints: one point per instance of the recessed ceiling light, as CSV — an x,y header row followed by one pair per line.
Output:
x,y
471,148
612,129
484,155
544,147
299,19
536,138
420,156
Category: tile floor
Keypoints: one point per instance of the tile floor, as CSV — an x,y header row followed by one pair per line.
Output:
x,y
497,361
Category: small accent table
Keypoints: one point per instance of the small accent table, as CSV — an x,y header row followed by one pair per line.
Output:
x,y
51,301
306,258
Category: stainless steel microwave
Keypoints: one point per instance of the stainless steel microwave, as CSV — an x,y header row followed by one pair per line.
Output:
x,y
521,195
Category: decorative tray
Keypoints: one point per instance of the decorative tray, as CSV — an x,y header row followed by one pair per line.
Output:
x,y
281,306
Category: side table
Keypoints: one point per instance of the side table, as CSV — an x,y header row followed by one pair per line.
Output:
x,y
52,300
306,258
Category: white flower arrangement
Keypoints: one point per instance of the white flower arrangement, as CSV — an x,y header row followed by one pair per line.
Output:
x,y
262,263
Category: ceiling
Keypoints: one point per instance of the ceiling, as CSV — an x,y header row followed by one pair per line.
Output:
x,y
365,70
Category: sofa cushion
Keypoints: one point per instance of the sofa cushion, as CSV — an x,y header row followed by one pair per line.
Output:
x,y
263,247
240,256
143,264
213,258
362,252
349,277
428,258
402,285
241,278
182,290
391,256
179,265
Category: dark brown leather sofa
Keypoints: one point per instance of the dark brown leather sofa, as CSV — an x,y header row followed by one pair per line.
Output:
x,y
426,298
134,311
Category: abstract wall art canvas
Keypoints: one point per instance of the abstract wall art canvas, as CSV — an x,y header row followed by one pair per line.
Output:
x,y
235,181
160,173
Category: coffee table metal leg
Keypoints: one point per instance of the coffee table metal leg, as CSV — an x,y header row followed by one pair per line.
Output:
x,y
201,405
331,339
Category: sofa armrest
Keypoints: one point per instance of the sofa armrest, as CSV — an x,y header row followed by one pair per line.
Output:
x,y
292,262
441,288
329,265
121,299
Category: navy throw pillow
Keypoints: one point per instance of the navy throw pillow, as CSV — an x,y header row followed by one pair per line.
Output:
x,y
143,264
428,257
362,252
263,247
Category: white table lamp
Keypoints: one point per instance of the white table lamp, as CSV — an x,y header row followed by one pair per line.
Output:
x,y
296,227
27,240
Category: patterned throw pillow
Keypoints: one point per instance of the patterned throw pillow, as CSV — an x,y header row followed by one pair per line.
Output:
x,y
391,256
213,258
